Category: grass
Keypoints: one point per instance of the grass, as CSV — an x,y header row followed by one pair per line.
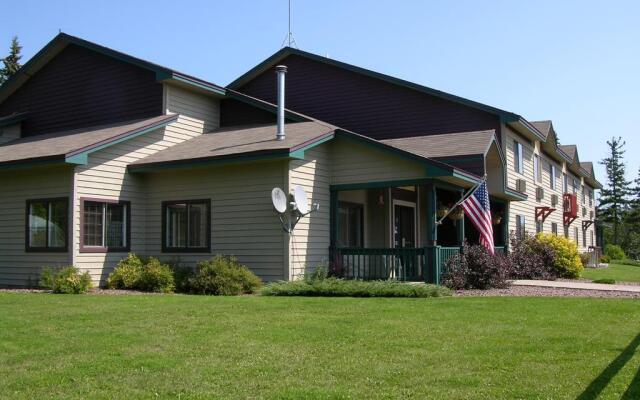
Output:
x,y
173,346
617,272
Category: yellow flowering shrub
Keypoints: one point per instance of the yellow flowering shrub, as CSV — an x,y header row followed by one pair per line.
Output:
x,y
567,260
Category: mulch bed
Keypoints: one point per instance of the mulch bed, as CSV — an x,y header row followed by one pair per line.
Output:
x,y
534,291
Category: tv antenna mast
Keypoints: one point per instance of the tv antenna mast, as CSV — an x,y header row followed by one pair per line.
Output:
x,y
289,40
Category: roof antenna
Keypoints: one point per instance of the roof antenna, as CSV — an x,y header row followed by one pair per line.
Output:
x,y
289,40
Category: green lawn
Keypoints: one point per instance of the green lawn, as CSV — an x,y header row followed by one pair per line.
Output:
x,y
618,272
171,346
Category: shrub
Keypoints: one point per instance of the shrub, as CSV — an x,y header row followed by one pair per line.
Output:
x,y
223,275
605,259
136,273
614,252
532,259
67,280
607,281
336,287
127,273
156,277
567,261
633,263
476,268
181,276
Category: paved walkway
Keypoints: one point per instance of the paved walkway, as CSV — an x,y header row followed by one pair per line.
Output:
x,y
577,285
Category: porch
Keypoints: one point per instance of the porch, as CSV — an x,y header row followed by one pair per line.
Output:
x,y
402,230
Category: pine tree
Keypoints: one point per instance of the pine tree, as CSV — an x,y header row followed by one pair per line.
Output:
x,y
613,198
12,61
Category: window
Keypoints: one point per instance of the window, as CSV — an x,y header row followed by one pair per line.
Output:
x,y
186,226
47,222
104,226
554,228
591,238
517,157
584,238
520,226
539,226
566,231
575,231
565,183
537,171
590,198
552,176
350,224
584,197
575,186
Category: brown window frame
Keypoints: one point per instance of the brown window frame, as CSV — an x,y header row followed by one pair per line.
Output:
x,y
186,249
31,249
105,249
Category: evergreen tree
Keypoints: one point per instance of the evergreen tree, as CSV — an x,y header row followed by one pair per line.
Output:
x,y
12,61
613,198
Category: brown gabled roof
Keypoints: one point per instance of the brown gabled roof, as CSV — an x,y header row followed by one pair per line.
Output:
x,y
569,149
225,143
60,145
446,145
543,126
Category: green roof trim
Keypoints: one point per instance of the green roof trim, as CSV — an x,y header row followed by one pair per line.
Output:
x,y
299,152
13,119
205,162
81,156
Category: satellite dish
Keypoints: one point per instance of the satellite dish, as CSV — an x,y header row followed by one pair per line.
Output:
x,y
279,199
301,200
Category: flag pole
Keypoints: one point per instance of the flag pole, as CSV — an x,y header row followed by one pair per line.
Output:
x,y
464,197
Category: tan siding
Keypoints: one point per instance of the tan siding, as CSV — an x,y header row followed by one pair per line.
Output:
x,y
309,242
106,176
17,267
242,219
356,163
527,208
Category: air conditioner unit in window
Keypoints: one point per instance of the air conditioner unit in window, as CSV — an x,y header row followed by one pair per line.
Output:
x,y
521,186
554,199
539,193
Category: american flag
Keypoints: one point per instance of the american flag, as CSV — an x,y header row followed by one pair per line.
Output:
x,y
477,209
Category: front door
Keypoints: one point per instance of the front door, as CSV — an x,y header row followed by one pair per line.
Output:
x,y
404,239
404,225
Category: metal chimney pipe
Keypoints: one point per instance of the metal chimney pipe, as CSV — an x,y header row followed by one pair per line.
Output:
x,y
281,70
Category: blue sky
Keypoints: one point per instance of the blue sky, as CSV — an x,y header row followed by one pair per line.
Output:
x,y
574,62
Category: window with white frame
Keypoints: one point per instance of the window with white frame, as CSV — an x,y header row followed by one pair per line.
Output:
x,y
554,228
518,160
539,226
575,231
537,171
566,231
552,176
565,183
105,225
584,197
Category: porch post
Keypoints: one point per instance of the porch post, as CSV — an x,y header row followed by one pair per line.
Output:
x,y
430,208
460,227
505,226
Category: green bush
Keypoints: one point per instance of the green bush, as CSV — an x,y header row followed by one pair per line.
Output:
x,y
607,281
181,277
156,277
223,275
127,273
136,273
567,261
67,280
614,252
633,263
476,268
336,287
605,259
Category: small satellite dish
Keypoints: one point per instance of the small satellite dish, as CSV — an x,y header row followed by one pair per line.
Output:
x,y
279,199
301,200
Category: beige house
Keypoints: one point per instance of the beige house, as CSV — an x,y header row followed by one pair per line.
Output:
x,y
102,154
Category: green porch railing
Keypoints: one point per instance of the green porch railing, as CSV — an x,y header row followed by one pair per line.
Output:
x,y
403,264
